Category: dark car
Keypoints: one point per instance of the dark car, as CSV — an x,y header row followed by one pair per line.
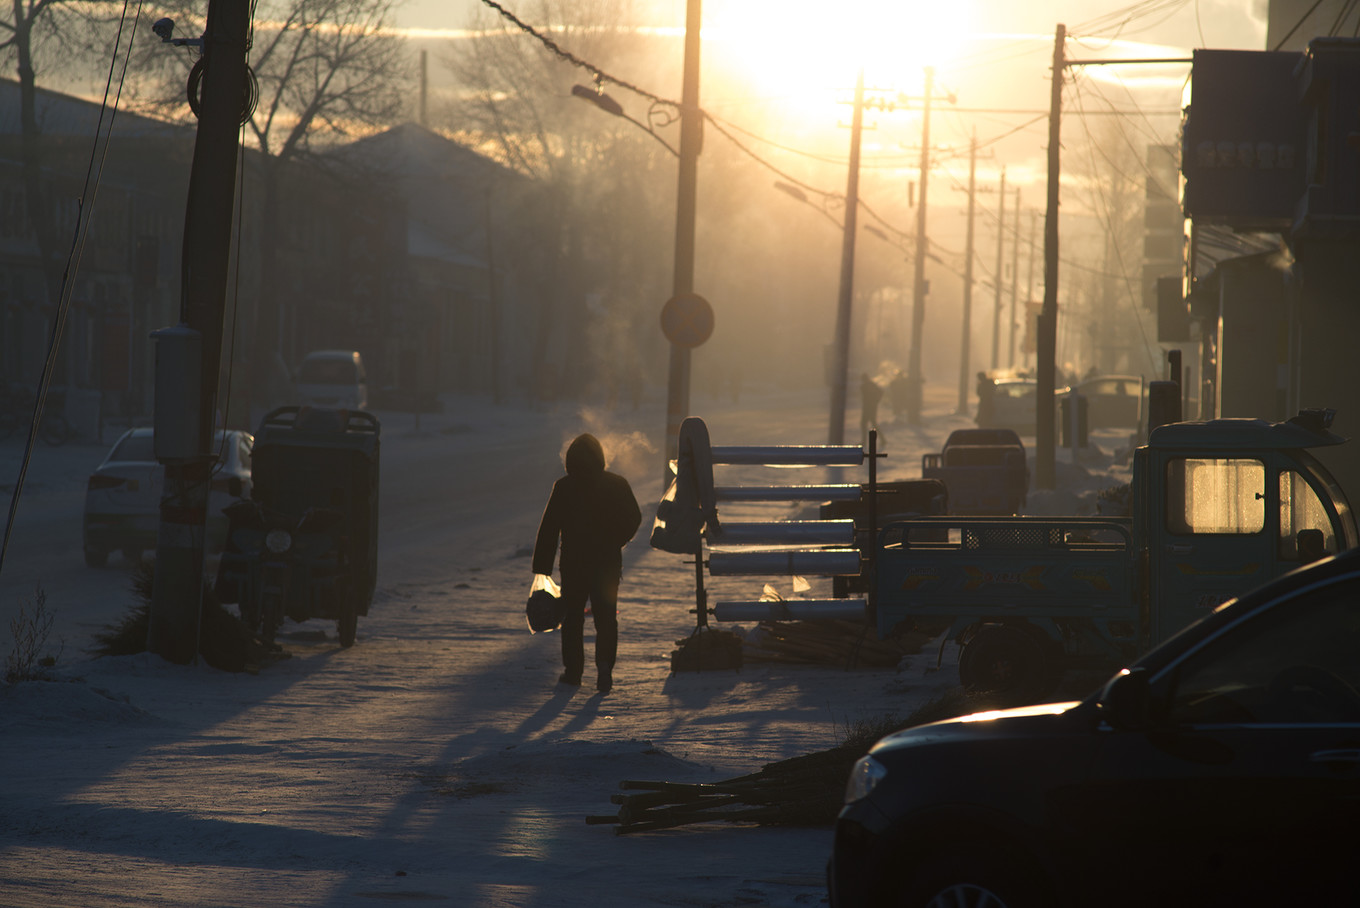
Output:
x,y
1223,768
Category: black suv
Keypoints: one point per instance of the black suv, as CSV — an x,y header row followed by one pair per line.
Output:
x,y
1223,768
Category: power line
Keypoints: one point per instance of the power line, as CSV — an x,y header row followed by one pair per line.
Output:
x,y
1289,34
598,74
1107,218
84,206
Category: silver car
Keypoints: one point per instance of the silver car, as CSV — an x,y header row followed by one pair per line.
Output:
x,y
123,495
1012,405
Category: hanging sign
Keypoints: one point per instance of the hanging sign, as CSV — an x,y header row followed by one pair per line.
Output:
x,y
687,320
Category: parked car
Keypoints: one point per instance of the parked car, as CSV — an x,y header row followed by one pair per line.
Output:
x,y
1012,405
1222,768
334,379
1113,401
123,494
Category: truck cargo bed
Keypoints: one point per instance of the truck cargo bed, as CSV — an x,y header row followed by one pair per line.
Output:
x,y
971,568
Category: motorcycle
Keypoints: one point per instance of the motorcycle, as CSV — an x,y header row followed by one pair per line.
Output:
x,y
276,567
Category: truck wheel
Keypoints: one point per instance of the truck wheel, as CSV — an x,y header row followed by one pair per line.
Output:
x,y
1007,663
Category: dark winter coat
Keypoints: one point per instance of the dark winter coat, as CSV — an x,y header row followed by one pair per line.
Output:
x,y
591,510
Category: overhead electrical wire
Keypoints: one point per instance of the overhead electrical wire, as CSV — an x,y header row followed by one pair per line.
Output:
x,y
84,208
1297,25
1120,20
1106,216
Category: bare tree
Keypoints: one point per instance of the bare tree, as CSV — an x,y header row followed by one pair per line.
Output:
x,y
608,184
1112,175
48,33
325,71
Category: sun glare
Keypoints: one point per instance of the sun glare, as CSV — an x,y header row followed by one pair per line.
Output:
x,y
803,53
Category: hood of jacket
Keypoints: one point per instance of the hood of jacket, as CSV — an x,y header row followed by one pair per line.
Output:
x,y
585,457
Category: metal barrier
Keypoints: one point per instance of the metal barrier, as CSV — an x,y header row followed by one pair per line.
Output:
x,y
687,519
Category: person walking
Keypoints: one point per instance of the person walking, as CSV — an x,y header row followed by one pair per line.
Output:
x,y
594,514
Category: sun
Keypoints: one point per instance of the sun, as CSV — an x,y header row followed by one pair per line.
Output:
x,y
805,53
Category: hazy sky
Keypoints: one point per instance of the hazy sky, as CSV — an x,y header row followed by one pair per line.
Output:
x,y
1221,23
783,69
779,72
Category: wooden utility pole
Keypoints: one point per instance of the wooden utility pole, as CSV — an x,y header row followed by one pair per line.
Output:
x,y
996,281
841,353
178,586
1033,247
965,346
1045,469
691,141
1015,277
493,298
424,88
918,288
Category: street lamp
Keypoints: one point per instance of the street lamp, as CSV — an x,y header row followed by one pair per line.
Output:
x,y
615,109
797,194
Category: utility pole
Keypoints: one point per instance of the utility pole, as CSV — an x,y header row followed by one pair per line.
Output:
x,y
424,87
841,354
966,345
493,299
1033,231
918,291
1045,469
996,282
691,142
1015,277
178,587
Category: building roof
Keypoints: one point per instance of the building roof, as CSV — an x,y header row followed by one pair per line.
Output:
x,y
449,190
66,115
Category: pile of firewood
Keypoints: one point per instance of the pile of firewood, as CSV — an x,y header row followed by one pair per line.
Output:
x,y
829,642
707,649
802,791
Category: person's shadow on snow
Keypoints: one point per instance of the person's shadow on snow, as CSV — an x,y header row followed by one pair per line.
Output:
x,y
551,708
590,709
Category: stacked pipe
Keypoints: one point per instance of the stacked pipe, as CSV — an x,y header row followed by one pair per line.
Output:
x,y
688,517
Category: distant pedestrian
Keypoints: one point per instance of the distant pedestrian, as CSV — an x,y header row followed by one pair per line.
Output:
x,y
986,394
594,514
899,392
869,395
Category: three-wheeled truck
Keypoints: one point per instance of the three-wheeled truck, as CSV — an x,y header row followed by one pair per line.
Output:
x,y
1215,508
305,545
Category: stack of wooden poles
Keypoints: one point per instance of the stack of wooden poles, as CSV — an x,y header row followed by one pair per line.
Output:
x,y
827,642
801,791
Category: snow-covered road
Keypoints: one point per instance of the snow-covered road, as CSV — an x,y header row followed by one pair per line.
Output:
x,y
436,760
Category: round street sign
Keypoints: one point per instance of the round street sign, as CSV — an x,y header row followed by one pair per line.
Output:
x,y
687,320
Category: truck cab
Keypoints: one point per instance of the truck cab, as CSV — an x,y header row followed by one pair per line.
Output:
x,y
1228,504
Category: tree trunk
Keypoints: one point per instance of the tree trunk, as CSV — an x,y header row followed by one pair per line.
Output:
x,y
37,200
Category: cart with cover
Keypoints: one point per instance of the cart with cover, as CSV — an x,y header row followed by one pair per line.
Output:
x,y
305,545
